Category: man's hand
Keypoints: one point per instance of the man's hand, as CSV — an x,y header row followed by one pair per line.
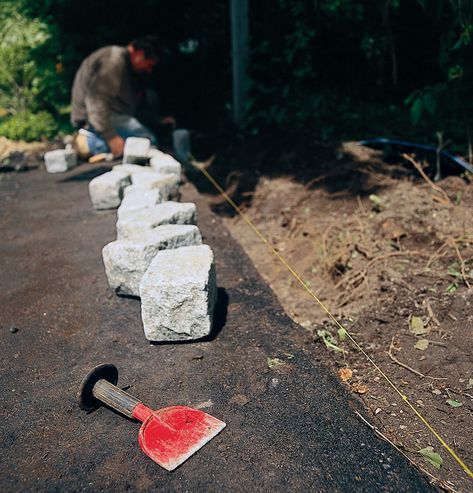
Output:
x,y
116,145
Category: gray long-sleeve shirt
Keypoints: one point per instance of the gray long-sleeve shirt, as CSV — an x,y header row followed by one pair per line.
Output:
x,y
102,86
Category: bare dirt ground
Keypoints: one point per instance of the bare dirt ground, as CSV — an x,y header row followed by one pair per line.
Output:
x,y
391,254
291,425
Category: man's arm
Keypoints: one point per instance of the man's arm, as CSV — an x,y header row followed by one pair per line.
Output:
x,y
103,89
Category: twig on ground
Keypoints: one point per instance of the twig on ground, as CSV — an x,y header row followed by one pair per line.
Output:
x,y
437,343
293,226
435,187
384,256
431,313
462,264
378,433
325,241
436,255
316,180
361,207
448,389
403,365
441,200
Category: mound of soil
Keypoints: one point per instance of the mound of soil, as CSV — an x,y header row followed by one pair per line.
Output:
x,y
391,254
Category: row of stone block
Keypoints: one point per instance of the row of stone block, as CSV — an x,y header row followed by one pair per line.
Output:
x,y
107,190
173,274
137,152
158,255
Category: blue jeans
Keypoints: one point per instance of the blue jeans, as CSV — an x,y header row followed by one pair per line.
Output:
x,y
125,126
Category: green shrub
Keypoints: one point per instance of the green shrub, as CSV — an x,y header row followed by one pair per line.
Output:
x,y
29,126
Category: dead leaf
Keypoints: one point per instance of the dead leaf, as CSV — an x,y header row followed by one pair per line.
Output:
x,y
416,326
391,231
422,344
345,374
342,334
274,363
470,384
431,456
377,202
360,388
329,341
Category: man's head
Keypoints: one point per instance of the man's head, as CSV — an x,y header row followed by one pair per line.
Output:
x,y
144,54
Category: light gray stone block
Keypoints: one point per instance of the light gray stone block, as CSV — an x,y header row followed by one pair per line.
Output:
x,y
60,160
106,191
138,222
127,260
168,184
136,198
134,189
136,150
131,168
164,163
178,294
154,152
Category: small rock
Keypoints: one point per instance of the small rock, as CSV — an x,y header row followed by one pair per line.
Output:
x,y
136,223
178,294
127,260
106,190
204,405
136,150
239,400
14,330
60,160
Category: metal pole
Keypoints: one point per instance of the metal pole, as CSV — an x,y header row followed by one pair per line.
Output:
x,y
240,47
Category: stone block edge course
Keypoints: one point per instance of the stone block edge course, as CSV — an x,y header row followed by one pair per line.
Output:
x,y
124,176
106,190
178,294
60,160
126,261
139,221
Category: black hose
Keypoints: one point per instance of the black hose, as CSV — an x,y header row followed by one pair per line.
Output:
x,y
456,159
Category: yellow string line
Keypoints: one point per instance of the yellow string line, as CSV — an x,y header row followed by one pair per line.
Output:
x,y
332,317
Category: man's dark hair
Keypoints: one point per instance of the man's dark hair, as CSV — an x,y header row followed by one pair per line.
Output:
x,y
149,44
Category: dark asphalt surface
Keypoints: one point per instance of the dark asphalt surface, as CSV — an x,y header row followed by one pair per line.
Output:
x,y
288,429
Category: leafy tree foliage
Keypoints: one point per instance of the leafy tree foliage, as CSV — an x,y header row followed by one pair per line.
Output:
x,y
29,126
358,67
326,68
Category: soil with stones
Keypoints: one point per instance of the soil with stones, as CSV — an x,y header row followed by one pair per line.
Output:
x,y
390,253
